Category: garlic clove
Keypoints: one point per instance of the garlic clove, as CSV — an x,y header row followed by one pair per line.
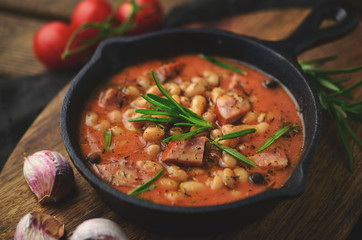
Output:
x,y
49,175
99,228
37,225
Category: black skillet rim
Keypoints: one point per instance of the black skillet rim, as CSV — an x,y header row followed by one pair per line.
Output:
x,y
86,172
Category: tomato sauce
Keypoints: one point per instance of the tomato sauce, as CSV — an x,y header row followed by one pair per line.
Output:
x,y
131,160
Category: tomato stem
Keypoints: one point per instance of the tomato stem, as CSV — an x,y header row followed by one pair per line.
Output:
x,y
106,30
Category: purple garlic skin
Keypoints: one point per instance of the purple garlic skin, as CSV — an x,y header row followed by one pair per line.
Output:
x,y
49,175
99,229
37,225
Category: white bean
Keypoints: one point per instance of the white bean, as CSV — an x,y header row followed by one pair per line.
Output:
x,y
115,116
216,133
229,178
172,88
91,118
174,196
169,183
229,160
149,166
215,93
242,174
195,89
153,150
141,102
185,101
250,117
216,183
177,173
199,80
261,117
198,104
175,130
184,85
154,90
192,187
143,82
153,134
209,116
132,91
117,130
102,126
212,78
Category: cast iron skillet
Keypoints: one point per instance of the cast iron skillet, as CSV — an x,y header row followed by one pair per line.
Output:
x,y
275,58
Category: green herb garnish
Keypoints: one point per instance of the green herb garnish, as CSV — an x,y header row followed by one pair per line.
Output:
x,y
234,153
336,99
182,116
235,134
223,65
277,134
177,113
146,186
108,138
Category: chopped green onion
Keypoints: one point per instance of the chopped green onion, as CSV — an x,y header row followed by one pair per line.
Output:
x,y
223,65
108,138
274,137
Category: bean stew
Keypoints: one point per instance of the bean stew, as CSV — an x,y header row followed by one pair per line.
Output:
x,y
149,159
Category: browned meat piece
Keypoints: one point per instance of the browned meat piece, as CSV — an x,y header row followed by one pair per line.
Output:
x,y
169,71
188,152
270,160
111,97
230,108
118,174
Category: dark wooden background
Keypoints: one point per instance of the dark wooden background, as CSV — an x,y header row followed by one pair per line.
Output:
x,y
328,209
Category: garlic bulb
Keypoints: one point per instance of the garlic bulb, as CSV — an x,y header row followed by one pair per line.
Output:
x,y
37,225
98,229
49,175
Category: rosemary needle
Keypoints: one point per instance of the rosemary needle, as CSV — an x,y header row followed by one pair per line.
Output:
x,y
146,186
336,99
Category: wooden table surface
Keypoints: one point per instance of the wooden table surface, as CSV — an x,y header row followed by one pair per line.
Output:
x,y
328,209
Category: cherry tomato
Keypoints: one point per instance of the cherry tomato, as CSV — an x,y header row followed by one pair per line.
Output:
x,y
90,11
148,18
49,43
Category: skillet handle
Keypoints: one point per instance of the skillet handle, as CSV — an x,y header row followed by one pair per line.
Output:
x,y
309,35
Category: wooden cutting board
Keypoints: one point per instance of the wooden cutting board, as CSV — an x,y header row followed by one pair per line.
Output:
x,y
328,209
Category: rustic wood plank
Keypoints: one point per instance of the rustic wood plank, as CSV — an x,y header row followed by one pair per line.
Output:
x,y
16,55
328,209
19,20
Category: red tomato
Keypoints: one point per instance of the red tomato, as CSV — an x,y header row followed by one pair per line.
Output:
x,y
148,19
49,43
90,11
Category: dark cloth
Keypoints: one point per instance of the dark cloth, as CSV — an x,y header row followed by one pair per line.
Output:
x,y
21,100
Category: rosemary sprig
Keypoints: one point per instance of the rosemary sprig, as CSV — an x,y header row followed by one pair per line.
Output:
x,y
277,134
108,138
146,186
334,98
223,64
182,116
177,113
